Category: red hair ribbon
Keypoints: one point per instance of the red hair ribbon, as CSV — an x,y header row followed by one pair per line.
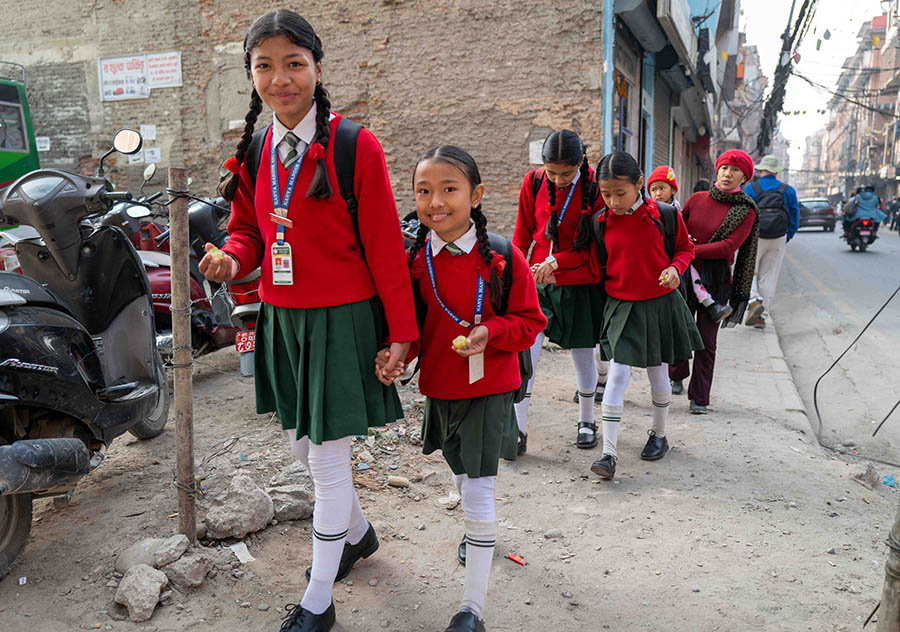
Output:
x,y
316,151
232,165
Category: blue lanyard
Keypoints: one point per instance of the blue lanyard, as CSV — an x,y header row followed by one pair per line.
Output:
x,y
282,204
479,297
562,212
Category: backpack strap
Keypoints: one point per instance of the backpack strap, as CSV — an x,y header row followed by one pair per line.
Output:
x,y
598,229
756,188
254,152
537,179
344,139
782,188
503,246
669,228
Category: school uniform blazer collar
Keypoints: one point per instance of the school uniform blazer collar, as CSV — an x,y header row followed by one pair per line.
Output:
x,y
465,243
305,129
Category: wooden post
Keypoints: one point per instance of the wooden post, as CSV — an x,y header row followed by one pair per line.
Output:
x,y
889,610
182,356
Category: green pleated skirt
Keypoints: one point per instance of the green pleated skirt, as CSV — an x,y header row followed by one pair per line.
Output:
x,y
316,369
574,314
648,333
472,434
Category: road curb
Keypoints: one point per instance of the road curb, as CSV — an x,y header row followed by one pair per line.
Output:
x,y
788,393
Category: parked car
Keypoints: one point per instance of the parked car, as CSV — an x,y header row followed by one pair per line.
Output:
x,y
817,212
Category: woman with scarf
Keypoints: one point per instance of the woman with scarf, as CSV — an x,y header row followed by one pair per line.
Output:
x,y
722,221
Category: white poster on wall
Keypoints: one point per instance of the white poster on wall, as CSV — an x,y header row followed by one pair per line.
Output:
x,y
152,154
534,152
123,78
136,159
42,143
148,132
164,69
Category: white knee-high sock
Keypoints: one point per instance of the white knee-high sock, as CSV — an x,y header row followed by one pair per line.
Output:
x,y
329,466
522,407
602,366
586,379
614,404
661,394
481,537
358,523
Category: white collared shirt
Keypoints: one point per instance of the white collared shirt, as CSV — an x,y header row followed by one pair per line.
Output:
x,y
305,131
465,243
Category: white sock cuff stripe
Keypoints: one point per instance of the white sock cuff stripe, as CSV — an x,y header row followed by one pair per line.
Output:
x,y
661,399
611,410
325,537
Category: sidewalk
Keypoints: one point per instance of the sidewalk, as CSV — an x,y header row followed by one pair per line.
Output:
x,y
745,525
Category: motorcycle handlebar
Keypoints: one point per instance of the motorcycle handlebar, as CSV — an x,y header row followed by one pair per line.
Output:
x,y
115,196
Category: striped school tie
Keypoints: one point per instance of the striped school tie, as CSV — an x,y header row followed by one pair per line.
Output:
x,y
291,139
453,249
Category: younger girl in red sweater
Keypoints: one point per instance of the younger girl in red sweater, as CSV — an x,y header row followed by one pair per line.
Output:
x,y
468,351
646,323
554,226
318,329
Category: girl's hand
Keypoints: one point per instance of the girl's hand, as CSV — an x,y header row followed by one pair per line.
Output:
x,y
217,266
670,278
381,361
543,272
389,363
478,339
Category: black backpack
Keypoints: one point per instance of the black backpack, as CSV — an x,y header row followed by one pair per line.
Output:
x,y
774,219
667,225
344,140
504,247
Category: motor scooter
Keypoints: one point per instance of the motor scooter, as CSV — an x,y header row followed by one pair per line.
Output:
x,y
861,234
78,361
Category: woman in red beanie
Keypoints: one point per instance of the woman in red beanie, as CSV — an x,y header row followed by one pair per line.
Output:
x,y
722,221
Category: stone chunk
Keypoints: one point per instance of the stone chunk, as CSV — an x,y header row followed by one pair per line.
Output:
x,y
188,572
242,509
292,502
139,591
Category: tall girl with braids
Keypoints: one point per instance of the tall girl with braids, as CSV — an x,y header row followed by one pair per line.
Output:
x,y
646,322
554,226
468,385
317,333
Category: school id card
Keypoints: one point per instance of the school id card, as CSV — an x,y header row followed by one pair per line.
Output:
x,y
282,264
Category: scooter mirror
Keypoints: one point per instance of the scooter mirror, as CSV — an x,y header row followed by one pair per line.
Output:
x,y
137,212
149,172
127,141
223,171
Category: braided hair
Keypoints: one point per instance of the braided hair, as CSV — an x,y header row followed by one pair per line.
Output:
x,y
461,159
300,32
565,147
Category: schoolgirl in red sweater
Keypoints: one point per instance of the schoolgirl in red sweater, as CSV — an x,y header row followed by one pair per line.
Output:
x,y
646,323
320,315
468,351
554,226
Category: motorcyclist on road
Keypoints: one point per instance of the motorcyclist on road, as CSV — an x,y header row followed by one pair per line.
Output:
x,y
864,205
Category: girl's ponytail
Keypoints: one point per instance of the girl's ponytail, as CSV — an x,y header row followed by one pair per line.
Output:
x,y
228,186
320,188
495,285
421,236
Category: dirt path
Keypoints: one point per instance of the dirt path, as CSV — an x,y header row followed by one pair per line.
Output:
x,y
731,531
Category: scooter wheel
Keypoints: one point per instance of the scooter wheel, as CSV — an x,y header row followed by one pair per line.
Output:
x,y
15,525
862,246
152,425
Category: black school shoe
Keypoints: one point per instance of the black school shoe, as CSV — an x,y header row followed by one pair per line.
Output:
x,y
586,441
461,552
522,446
697,409
465,621
353,553
718,312
656,447
677,387
605,467
299,619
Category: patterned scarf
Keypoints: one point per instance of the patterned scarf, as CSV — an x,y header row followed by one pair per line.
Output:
x,y
745,263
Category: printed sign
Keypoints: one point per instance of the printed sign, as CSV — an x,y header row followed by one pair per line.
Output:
x,y
123,78
136,159
152,154
164,69
534,152
148,132
42,142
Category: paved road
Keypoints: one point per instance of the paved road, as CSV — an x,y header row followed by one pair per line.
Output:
x,y
826,295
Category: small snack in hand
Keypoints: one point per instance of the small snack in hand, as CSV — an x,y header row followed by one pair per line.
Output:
x,y
216,253
460,342
665,277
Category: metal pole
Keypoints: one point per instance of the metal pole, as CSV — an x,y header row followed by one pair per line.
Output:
x,y
609,38
181,357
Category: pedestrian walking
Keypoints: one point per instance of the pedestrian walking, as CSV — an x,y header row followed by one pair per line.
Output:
x,y
646,323
721,222
553,223
472,332
318,333
779,219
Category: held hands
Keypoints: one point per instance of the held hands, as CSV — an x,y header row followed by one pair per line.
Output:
x,y
543,272
670,278
475,343
389,363
217,266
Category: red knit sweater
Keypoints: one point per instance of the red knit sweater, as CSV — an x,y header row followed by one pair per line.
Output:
x,y
329,268
444,373
637,255
531,227
703,216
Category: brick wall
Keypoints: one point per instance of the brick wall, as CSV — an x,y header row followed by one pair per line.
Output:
x,y
490,76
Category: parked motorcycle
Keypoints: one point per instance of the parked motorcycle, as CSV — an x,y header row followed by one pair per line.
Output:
x,y
78,363
862,233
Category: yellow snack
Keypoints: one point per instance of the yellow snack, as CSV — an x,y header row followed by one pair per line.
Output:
x,y
665,277
216,253
460,342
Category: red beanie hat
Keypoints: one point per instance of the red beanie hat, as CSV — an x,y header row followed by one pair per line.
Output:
x,y
666,174
739,159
